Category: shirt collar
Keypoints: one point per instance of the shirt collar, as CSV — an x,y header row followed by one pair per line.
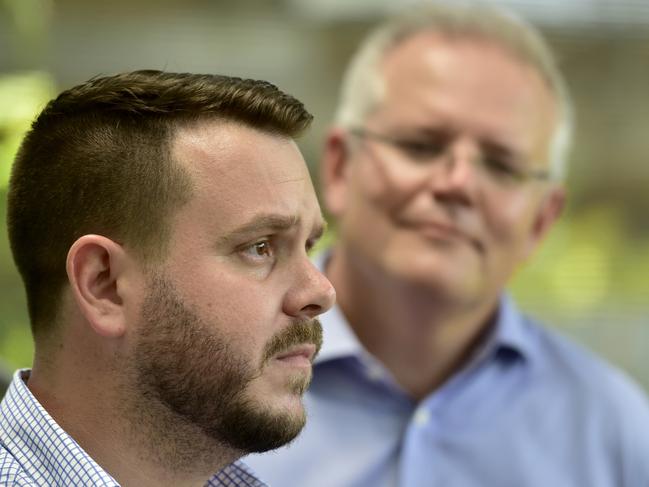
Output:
x,y
47,453
51,457
511,330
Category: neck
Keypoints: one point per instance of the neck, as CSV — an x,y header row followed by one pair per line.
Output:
x,y
422,338
138,447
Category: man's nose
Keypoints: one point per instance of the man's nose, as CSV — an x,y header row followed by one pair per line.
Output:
x,y
456,176
310,294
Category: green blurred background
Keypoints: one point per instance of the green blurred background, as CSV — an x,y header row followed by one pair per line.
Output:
x,y
590,279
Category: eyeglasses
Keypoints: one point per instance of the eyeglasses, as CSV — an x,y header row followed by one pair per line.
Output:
x,y
495,162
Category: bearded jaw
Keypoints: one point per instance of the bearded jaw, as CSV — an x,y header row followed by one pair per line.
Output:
x,y
189,369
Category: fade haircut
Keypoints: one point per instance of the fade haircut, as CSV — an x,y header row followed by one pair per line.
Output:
x,y
363,86
98,160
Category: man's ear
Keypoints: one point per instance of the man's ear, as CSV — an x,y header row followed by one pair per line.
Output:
x,y
334,171
549,212
95,266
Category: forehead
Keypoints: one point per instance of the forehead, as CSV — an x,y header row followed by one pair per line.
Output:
x,y
238,172
469,84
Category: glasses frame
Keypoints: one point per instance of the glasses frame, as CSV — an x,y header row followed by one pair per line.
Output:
x,y
516,175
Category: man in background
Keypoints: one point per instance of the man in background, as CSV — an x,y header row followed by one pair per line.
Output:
x,y
161,224
444,169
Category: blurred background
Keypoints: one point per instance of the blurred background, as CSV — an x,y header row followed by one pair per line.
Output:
x,y
591,279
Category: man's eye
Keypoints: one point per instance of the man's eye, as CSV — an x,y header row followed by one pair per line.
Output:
x,y
262,248
501,169
259,250
421,151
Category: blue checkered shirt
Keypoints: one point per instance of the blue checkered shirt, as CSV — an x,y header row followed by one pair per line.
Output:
x,y
35,451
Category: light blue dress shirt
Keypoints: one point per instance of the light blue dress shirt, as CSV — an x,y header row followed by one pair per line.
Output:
x,y
530,409
35,451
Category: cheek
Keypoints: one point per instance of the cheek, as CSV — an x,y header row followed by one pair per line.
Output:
x,y
240,304
385,186
377,201
367,220
510,224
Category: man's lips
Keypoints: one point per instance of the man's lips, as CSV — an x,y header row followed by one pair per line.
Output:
x,y
437,231
298,355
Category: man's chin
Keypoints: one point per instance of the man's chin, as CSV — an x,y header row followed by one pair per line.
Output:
x,y
290,432
279,378
262,428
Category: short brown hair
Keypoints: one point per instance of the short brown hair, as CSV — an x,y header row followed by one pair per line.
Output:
x,y
97,160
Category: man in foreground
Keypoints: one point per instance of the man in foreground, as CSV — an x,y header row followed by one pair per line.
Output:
x,y
444,170
161,224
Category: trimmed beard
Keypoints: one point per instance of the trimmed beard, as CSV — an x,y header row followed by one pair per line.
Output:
x,y
194,371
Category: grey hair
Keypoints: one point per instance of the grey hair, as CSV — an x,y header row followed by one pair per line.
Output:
x,y
363,86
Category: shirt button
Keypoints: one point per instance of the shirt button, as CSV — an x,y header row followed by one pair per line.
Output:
x,y
421,417
374,372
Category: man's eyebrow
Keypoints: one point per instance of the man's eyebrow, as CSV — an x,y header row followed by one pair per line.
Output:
x,y
268,223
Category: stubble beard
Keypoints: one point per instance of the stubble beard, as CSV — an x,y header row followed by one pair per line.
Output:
x,y
188,377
